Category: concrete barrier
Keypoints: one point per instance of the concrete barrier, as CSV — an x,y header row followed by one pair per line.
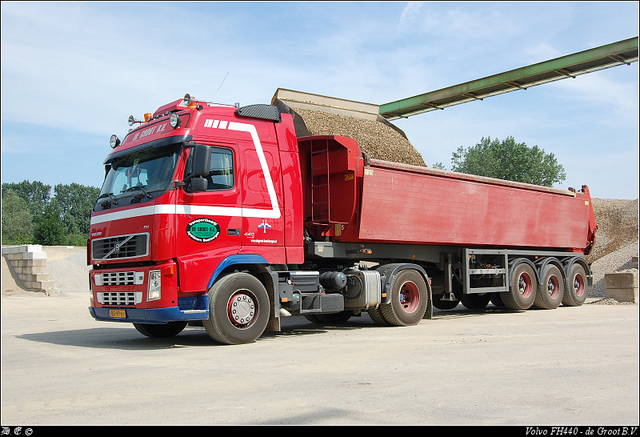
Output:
x,y
622,286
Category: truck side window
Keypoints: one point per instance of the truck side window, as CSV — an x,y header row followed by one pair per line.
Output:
x,y
221,175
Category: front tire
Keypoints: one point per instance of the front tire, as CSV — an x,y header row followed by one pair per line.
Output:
x,y
238,309
170,329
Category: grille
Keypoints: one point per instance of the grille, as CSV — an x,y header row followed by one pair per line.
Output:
x,y
120,278
119,298
123,246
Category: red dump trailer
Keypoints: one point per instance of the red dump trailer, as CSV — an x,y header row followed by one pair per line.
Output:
x,y
223,215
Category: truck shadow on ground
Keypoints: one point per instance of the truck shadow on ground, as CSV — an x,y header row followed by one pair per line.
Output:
x,y
127,338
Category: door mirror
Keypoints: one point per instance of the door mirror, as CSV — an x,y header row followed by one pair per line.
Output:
x,y
200,161
197,185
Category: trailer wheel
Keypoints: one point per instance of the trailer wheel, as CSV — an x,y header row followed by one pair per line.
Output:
x,y
475,301
408,301
575,291
550,289
496,299
238,309
160,331
522,289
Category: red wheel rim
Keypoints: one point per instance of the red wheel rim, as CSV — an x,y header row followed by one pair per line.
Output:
x,y
524,285
578,285
553,287
409,297
242,309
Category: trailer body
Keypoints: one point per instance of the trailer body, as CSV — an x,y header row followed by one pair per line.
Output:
x,y
222,215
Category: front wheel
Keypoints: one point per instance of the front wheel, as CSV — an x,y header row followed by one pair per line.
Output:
x,y
238,309
408,301
160,331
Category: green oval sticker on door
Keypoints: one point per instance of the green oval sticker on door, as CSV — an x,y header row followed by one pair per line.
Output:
x,y
203,230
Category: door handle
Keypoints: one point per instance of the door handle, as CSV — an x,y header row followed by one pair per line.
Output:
x,y
233,232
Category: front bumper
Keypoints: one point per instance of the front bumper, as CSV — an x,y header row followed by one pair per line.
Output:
x,y
188,309
130,295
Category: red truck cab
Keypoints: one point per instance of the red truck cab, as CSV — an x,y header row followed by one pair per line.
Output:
x,y
164,227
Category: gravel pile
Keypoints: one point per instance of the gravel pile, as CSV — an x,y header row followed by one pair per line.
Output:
x,y
616,240
377,139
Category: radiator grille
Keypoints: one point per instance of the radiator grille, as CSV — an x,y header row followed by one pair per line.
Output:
x,y
119,298
120,247
119,278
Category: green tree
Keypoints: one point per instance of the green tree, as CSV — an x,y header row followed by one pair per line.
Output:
x,y
17,225
76,202
510,161
50,229
36,194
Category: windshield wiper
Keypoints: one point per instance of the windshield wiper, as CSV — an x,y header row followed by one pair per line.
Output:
x,y
141,187
111,197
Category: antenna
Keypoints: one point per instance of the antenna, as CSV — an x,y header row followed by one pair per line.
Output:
x,y
225,78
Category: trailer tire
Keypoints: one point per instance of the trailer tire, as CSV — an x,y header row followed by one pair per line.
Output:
x,y
496,299
575,290
550,289
170,329
475,301
408,301
523,287
238,309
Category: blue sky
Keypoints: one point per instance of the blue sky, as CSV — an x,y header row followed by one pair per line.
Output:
x,y
72,73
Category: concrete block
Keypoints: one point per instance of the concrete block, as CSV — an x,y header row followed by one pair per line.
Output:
x,y
622,286
34,255
22,249
47,285
34,277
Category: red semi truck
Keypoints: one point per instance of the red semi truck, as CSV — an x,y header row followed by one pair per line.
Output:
x,y
222,215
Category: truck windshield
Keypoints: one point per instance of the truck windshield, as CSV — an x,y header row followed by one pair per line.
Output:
x,y
145,171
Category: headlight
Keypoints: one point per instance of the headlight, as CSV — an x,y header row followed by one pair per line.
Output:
x,y
155,285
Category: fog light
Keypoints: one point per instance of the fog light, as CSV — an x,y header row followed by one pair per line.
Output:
x,y
155,285
174,120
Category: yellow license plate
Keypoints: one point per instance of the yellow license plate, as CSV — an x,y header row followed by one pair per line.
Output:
x,y
119,314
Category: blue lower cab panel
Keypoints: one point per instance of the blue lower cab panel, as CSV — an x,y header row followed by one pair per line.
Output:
x,y
189,308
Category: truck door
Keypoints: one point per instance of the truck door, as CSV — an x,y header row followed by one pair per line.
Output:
x,y
262,202
209,223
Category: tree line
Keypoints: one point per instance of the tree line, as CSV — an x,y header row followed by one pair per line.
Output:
x,y
32,215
